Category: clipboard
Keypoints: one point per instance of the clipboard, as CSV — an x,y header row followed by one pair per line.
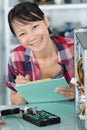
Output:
x,y
42,90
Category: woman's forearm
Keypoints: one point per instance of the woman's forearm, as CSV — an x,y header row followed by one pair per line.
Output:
x,y
16,98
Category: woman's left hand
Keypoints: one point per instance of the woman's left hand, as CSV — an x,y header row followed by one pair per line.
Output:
x,y
68,92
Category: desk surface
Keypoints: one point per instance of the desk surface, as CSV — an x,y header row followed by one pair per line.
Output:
x,y
64,109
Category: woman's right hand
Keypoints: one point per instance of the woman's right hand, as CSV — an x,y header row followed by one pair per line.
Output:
x,y
15,97
20,79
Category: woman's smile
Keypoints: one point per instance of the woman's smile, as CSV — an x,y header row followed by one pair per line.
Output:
x,y
36,43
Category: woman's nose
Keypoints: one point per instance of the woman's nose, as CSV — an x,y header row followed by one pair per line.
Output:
x,y
31,36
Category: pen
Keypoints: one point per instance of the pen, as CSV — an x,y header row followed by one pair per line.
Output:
x,y
18,72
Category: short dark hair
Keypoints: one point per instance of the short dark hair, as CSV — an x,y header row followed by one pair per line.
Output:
x,y
25,11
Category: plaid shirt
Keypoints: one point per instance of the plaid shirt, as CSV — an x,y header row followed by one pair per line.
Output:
x,y
22,61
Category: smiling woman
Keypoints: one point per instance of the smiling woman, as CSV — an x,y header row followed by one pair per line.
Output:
x,y
41,55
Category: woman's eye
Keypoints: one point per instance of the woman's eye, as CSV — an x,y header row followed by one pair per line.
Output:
x,y
35,26
21,34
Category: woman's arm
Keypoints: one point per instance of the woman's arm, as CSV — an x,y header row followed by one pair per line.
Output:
x,y
15,97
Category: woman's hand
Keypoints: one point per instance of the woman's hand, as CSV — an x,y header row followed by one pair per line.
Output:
x,y
68,92
20,79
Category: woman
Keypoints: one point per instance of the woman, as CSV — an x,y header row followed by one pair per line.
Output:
x,y
41,55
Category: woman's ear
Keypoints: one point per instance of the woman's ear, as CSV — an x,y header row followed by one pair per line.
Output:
x,y
46,21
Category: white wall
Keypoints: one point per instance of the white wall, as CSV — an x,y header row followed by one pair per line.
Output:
x,y
73,14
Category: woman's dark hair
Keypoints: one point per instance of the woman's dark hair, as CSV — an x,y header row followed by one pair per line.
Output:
x,y
25,11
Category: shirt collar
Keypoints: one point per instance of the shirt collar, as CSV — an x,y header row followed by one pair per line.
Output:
x,y
62,58
29,56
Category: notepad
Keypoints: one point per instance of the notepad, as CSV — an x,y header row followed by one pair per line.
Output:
x,y
42,90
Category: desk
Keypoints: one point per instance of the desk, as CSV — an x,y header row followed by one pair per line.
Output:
x,y
64,109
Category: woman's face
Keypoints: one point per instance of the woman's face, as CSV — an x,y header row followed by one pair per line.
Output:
x,y
32,35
